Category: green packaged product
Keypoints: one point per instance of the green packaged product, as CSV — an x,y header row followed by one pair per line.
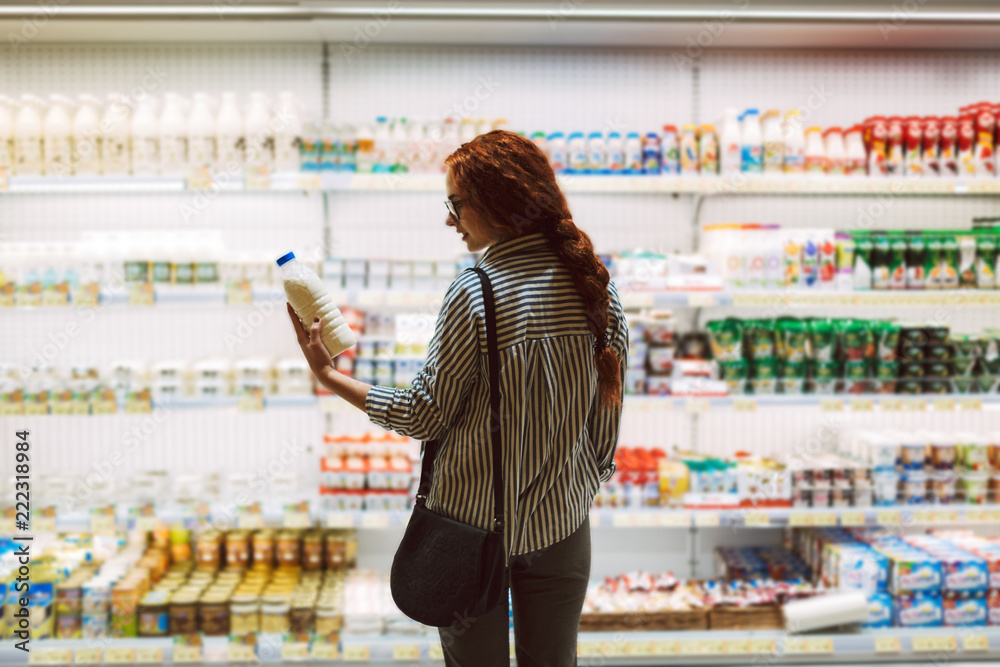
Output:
x,y
965,366
855,339
887,370
939,352
863,250
986,261
885,386
824,371
913,336
916,262
911,353
792,369
886,339
855,369
939,369
933,269
966,385
822,339
759,337
792,340
937,386
726,339
966,346
911,369
909,386
734,374
897,260
988,383
764,387
966,260
949,266
792,386
881,263
765,369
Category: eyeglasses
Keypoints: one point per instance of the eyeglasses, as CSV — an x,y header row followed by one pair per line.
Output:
x,y
453,206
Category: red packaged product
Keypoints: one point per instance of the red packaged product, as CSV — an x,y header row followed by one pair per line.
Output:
x,y
913,139
986,122
948,154
894,146
932,138
993,607
966,144
876,141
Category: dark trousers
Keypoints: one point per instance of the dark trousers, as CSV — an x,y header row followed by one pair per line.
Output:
x,y
547,591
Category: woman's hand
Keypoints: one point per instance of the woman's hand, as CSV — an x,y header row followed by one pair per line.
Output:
x,y
312,345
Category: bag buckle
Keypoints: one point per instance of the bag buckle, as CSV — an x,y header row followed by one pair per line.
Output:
x,y
497,524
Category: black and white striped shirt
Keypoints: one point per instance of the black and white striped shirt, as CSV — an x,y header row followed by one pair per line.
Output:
x,y
558,443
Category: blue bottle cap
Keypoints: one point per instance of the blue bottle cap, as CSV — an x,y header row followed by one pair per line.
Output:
x,y
633,134
596,135
614,135
284,258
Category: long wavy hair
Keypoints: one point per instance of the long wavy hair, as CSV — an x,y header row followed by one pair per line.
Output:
x,y
507,180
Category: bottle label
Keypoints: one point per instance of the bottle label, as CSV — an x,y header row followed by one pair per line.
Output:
x,y
145,153
202,150
29,154
174,149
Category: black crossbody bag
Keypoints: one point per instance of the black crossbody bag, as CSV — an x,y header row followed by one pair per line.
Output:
x,y
445,570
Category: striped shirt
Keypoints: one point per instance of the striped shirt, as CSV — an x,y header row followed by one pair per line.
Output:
x,y
558,443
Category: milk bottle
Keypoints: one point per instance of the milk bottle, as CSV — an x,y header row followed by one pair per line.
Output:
x,y
259,135
56,136
309,299
6,135
116,128
173,136
201,132
146,139
230,132
87,137
288,135
28,137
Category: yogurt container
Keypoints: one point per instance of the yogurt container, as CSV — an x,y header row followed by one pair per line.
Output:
x,y
943,452
973,452
914,487
974,487
886,487
943,485
913,455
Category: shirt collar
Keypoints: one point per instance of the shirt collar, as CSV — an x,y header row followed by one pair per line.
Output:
x,y
517,246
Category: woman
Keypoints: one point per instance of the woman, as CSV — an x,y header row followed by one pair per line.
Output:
x,y
563,344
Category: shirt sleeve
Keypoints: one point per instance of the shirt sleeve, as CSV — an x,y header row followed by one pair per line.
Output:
x,y
604,422
430,406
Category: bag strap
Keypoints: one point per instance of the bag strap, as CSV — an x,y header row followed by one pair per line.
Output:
x,y
431,447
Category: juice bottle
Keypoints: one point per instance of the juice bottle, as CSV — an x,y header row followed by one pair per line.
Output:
x,y
86,137
57,136
146,139
309,299
985,126
862,272
880,263
708,150
894,146
751,143
116,126
810,259
577,148
854,147
365,157
259,135
6,134
815,152
28,137
967,144
173,136
836,154
913,140
597,153
729,143
633,153
669,151
795,143
897,261
916,261
793,260
774,146
201,132
689,149
986,261
877,141
651,153
933,272
950,261
557,152
616,153
949,146
288,134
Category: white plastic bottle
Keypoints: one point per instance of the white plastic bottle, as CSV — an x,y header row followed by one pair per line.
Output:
x,y
364,159
576,147
201,132
795,143
87,142
230,133
729,143
815,151
597,153
116,137
751,143
309,299
287,134
616,153
836,154
173,136
57,136
854,147
259,135
399,139
28,137
145,139
383,145
6,134
633,153
774,144
557,152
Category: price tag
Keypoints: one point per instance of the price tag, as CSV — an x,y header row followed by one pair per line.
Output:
x,y
696,405
149,655
944,404
701,300
914,404
251,401
932,643
973,403
737,646
102,519
831,404
993,516
949,517
852,519
824,519
511,651
820,645
138,405
975,643
374,520
248,519
690,648
356,653
295,651
762,646
119,656
257,178
887,517
103,407
240,652
321,650
890,404
745,405
646,519
675,519
975,516
706,519
887,645
862,405
588,649
435,652
799,519
185,653
923,517
623,520
44,521
36,408
11,409
50,656
795,646
296,519
141,295
664,648
199,178
309,181
406,652
613,649
639,648
62,407
87,656
756,519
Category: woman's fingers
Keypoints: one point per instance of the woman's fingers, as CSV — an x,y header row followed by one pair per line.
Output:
x,y
314,330
300,331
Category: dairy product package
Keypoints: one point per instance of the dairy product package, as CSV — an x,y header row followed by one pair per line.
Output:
x,y
309,299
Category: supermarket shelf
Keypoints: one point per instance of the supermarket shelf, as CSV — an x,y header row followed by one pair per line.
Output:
x,y
782,517
959,646
307,181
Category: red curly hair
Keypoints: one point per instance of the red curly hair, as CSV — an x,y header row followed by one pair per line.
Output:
x,y
507,180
